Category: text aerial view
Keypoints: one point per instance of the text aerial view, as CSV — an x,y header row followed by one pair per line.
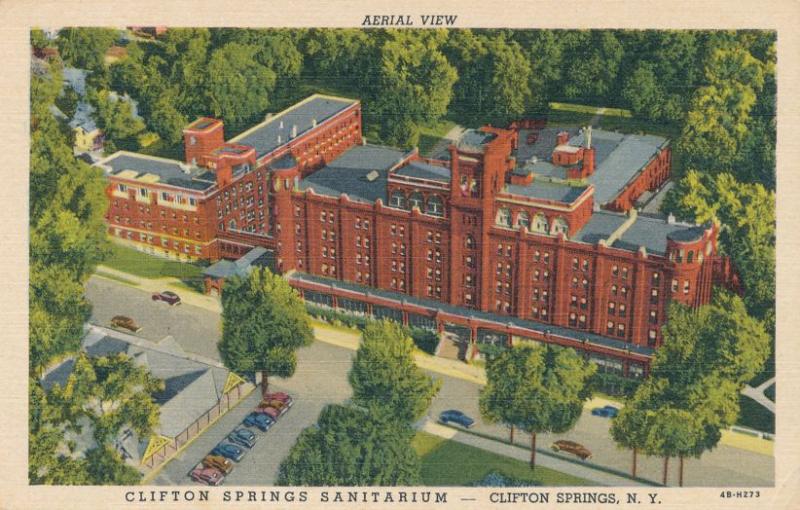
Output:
x,y
390,257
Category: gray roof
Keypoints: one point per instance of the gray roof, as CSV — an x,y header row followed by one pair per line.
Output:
x,y
422,170
618,158
264,137
83,117
475,139
170,171
348,173
652,233
75,78
191,387
600,226
258,256
542,148
466,312
547,191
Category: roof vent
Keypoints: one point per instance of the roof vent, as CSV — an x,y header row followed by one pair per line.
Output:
x,y
372,175
280,126
671,219
294,131
279,138
313,123
533,160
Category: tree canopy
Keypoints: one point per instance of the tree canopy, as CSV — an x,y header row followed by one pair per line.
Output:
x,y
384,374
264,322
351,446
537,389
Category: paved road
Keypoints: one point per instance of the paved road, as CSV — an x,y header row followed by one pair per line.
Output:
x,y
321,378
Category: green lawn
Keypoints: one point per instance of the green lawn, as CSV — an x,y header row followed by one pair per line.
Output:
x,y
580,108
429,135
574,115
450,463
755,416
141,264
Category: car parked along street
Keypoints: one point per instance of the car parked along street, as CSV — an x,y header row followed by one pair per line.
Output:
x,y
229,451
457,417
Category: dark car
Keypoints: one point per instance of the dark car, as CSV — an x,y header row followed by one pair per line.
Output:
x,y
572,447
207,475
606,411
242,437
229,451
457,417
258,420
167,297
120,321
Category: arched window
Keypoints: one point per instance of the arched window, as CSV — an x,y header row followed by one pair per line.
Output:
x,y
503,217
398,200
232,224
560,225
469,242
415,200
524,220
540,223
435,206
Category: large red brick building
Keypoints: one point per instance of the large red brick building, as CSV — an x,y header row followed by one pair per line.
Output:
x,y
524,234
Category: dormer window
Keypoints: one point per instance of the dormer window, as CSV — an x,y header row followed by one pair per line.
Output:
x,y
192,140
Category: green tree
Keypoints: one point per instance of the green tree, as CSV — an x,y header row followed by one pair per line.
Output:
x,y
644,93
264,322
67,102
238,86
115,118
591,62
112,392
384,374
545,393
413,81
85,47
105,466
166,120
350,446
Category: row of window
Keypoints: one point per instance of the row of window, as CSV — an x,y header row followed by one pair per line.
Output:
x,y
504,218
147,238
433,206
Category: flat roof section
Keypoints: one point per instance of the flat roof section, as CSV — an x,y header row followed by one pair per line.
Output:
x,y
600,226
264,136
422,170
348,173
543,190
652,233
168,171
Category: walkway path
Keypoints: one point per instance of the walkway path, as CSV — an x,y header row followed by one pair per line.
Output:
x,y
597,115
757,394
542,459
440,149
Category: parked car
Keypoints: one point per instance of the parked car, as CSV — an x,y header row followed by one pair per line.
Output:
x,y
606,411
229,451
276,404
120,321
572,447
207,475
258,420
457,417
219,463
270,412
167,297
242,437
280,396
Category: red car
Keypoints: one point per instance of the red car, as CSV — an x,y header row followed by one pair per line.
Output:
x,y
168,297
207,475
279,396
269,411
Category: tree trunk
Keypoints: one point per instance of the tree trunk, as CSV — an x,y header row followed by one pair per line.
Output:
x,y
533,450
680,471
264,383
633,471
666,467
511,435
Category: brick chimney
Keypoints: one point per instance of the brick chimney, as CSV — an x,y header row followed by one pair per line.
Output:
x,y
562,138
588,153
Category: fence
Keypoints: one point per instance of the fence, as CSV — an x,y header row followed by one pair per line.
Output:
x,y
223,405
